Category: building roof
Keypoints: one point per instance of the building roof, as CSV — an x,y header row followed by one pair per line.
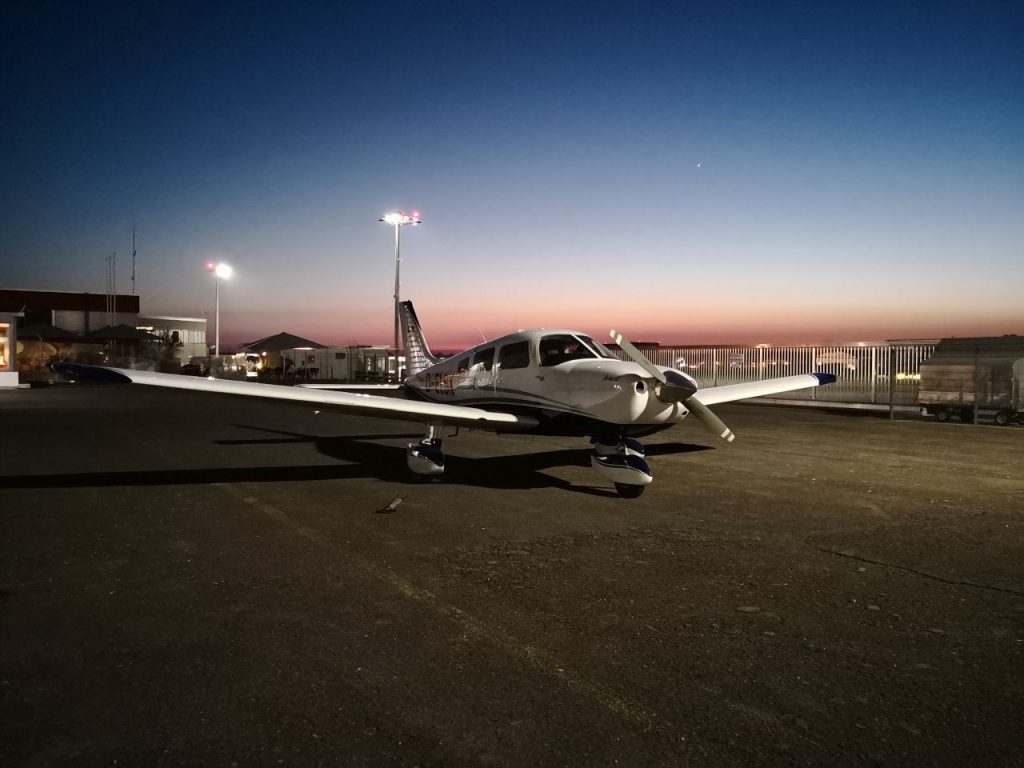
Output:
x,y
47,332
281,341
37,301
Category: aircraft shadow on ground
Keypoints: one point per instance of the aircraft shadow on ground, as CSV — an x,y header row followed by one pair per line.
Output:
x,y
363,458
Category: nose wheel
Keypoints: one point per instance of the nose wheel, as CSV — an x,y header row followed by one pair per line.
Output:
x,y
621,459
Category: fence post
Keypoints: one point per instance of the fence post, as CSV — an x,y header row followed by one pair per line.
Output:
x,y
892,383
874,375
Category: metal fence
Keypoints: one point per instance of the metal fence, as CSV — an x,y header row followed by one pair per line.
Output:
x,y
865,373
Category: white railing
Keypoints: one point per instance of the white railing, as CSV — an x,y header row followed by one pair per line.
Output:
x,y
865,373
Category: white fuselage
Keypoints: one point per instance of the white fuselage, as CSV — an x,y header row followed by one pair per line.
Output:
x,y
561,376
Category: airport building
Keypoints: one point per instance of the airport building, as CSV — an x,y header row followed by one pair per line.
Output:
x,y
39,327
79,313
8,346
343,364
186,334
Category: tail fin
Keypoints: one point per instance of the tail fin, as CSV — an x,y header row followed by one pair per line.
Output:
x,y
417,353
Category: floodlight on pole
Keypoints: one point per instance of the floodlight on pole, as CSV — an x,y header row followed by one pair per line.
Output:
x,y
221,272
399,219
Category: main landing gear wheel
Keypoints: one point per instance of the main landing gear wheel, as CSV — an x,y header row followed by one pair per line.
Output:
x,y
425,458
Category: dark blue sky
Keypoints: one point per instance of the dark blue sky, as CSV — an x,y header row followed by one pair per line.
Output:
x,y
689,171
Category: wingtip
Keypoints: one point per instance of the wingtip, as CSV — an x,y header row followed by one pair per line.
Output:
x,y
825,378
83,372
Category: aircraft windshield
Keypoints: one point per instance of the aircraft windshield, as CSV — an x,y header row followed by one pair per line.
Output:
x,y
561,348
601,349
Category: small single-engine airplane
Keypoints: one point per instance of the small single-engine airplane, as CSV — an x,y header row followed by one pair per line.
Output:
x,y
554,382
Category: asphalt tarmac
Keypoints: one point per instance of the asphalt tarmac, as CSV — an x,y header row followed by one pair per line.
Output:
x,y
188,579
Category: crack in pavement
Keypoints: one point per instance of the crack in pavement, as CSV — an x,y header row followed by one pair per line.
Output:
x,y
923,574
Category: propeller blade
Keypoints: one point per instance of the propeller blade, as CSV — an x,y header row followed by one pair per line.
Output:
x,y
677,390
672,388
711,422
637,357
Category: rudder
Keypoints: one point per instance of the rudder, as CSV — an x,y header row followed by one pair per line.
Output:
x,y
417,353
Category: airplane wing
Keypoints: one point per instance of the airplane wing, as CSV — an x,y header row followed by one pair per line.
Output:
x,y
349,402
729,392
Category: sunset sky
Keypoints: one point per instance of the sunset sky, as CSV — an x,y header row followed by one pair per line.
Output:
x,y
684,172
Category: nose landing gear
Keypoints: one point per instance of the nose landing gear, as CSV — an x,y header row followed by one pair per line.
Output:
x,y
621,459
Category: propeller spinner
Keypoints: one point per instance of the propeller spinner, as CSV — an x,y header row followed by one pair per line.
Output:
x,y
673,388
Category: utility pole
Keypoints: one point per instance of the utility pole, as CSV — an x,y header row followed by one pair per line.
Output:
x,y
399,219
133,259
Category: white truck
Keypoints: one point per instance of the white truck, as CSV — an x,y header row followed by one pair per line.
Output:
x,y
974,379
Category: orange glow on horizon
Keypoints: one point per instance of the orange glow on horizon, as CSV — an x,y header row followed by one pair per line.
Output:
x,y
451,328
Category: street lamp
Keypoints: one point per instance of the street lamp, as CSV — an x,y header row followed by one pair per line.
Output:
x,y
221,272
399,219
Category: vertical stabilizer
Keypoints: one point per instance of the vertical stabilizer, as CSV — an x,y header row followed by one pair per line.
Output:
x,y
417,353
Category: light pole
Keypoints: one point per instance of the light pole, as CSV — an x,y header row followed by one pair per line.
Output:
x,y
399,219
221,272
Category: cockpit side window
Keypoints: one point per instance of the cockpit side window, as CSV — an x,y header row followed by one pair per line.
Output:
x,y
485,356
463,365
515,355
560,348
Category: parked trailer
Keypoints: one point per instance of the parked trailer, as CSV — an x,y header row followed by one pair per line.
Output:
x,y
973,379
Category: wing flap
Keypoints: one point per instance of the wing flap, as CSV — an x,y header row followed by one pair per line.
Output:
x,y
730,392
